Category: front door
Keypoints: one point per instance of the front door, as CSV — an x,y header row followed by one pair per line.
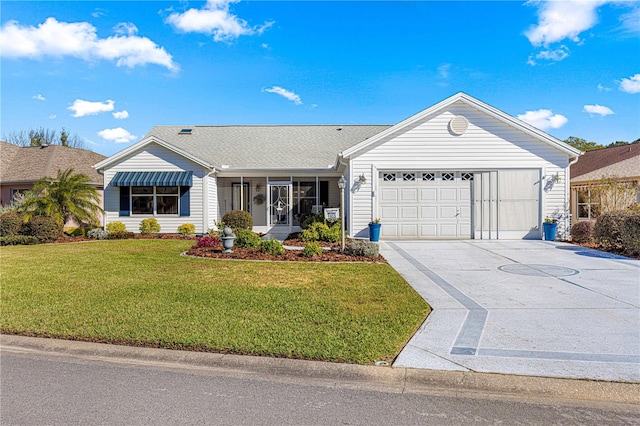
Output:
x,y
280,203
241,197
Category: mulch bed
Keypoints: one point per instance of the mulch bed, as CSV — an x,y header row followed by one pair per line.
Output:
x,y
288,256
77,239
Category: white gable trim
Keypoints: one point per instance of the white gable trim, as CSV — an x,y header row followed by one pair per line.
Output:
x,y
471,101
147,141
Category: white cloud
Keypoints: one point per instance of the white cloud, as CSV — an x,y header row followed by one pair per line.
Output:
x,y
121,115
80,40
600,110
117,135
81,108
631,21
285,94
559,20
543,119
602,88
52,117
214,19
631,84
554,55
39,97
443,70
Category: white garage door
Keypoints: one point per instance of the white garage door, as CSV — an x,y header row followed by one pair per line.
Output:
x,y
425,204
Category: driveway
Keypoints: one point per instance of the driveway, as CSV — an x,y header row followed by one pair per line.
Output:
x,y
534,308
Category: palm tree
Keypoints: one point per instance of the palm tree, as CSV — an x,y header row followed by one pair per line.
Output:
x,y
66,197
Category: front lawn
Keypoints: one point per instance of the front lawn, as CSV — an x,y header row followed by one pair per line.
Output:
x,y
142,292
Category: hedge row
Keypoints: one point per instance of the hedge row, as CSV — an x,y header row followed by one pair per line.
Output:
x,y
44,229
619,232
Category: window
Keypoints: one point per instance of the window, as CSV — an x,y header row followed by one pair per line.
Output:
x,y
408,177
588,204
389,177
448,176
429,177
467,176
149,200
304,198
17,194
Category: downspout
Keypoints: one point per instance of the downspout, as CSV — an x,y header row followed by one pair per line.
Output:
x,y
567,189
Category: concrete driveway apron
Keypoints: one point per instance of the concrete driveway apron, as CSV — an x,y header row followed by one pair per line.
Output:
x,y
522,307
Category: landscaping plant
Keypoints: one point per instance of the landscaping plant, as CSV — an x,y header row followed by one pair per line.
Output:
x,y
362,248
238,219
149,225
272,247
10,224
312,249
187,229
582,231
207,241
45,228
116,227
246,238
98,234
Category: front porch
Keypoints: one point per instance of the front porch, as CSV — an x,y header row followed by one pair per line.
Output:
x,y
278,204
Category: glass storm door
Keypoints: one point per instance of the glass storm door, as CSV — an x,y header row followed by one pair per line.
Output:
x,y
280,204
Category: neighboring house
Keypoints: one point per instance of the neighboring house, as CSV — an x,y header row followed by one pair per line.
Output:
x,y
21,167
460,169
619,164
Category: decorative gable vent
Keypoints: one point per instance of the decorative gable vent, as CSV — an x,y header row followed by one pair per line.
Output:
x,y
458,125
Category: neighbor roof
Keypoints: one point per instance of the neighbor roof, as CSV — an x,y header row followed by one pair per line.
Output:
x,y
618,161
266,147
31,163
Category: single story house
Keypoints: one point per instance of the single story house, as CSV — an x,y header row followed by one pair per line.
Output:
x,y
596,170
22,166
460,169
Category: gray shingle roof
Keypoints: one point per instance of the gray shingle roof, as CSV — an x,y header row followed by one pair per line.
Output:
x,y
267,147
619,161
30,163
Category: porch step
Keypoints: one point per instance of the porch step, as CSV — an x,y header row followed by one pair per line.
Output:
x,y
276,236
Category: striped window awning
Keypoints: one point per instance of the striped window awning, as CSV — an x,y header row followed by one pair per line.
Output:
x,y
153,179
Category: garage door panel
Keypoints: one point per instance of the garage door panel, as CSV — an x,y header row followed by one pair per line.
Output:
x,y
448,194
429,194
465,193
409,230
465,212
409,194
390,212
389,230
389,194
428,212
448,212
428,230
410,212
449,230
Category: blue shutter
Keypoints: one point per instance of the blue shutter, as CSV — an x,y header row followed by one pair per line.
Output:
x,y
185,201
124,201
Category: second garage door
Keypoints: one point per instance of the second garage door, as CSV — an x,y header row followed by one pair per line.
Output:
x,y
425,204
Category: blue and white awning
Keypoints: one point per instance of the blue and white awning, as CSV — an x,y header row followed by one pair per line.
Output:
x,y
152,179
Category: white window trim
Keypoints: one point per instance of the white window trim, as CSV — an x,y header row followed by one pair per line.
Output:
x,y
155,204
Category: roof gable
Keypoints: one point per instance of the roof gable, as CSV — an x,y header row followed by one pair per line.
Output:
x,y
443,105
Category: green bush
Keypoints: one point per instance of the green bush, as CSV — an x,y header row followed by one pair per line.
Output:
x,y
75,232
618,231
272,247
122,235
331,234
149,225
116,227
45,228
582,232
187,229
310,220
238,219
362,248
10,224
246,238
15,240
320,231
312,249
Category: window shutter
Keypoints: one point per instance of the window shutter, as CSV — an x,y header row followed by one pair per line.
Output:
x,y
185,201
124,201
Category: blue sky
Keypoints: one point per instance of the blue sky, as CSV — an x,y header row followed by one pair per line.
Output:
x,y
109,71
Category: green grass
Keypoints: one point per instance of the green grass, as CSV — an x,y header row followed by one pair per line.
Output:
x,y
141,292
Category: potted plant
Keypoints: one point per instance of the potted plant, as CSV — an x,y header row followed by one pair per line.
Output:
x,y
374,230
550,227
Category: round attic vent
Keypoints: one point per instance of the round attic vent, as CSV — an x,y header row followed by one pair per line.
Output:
x,y
458,125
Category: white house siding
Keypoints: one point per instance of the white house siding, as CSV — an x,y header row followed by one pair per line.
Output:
x,y
156,158
488,144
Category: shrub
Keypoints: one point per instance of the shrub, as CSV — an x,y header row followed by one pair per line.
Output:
x,y
45,228
331,234
272,247
98,234
619,231
310,220
10,224
320,231
15,240
312,249
238,219
362,248
149,225
246,238
206,242
122,235
187,229
74,232
582,232
312,232
114,227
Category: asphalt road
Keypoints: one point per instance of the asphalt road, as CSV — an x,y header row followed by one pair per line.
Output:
x,y
38,389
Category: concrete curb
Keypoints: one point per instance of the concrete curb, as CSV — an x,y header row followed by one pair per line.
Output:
x,y
386,379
